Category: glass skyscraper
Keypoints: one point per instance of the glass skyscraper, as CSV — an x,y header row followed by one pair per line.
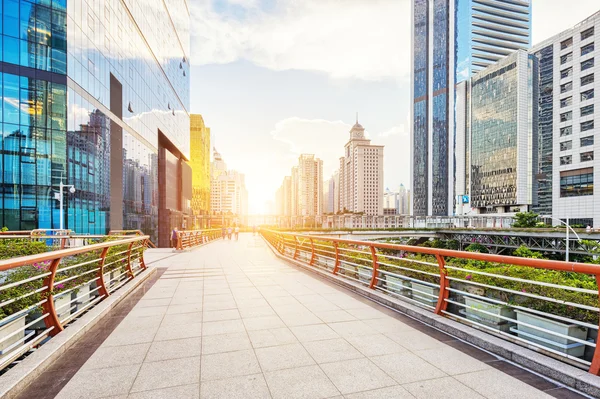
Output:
x,y
452,40
96,94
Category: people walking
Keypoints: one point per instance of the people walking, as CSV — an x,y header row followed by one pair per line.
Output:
x,y
237,232
229,231
223,232
174,238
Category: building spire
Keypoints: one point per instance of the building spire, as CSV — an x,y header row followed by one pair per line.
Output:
x,y
357,117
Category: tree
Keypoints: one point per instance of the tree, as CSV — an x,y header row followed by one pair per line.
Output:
x,y
526,219
524,252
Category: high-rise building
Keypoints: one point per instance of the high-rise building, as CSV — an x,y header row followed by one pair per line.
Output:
x,y
452,39
95,94
361,175
396,202
499,137
228,194
200,163
310,186
568,109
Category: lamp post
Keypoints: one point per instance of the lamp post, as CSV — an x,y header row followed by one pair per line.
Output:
x,y
59,196
568,227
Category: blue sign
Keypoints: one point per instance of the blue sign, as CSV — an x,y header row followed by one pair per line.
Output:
x,y
465,199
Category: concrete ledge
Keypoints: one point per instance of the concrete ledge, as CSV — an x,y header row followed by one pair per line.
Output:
x,y
24,373
546,366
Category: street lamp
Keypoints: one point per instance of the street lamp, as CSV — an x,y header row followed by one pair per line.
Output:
x,y
566,234
59,196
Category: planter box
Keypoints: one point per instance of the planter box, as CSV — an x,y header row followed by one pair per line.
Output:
x,y
63,301
8,328
422,297
83,293
494,322
364,274
398,286
560,344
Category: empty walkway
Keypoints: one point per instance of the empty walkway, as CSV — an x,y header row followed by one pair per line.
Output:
x,y
230,320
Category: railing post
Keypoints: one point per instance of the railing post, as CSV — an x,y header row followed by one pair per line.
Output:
x,y
595,366
336,267
312,252
375,267
295,246
129,268
444,285
102,290
142,263
52,319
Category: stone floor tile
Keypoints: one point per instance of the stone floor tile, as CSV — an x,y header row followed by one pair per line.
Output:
x,y
393,392
259,311
406,367
263,323
96,383
283,356
249,386
451,361
389,325
185,308
191,391
375,345
170,331
225,343
130,337
299,319
356,375
292,383
352,328
174,349
222,327
415,340
366,313
442,388
182,318
313,332
167,373
332,350
219,305
333,316
114,356
229,364
144,303
148,311
218,315
272,337
495,384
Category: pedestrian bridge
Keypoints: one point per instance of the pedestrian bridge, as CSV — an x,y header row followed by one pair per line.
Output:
x,y
232,320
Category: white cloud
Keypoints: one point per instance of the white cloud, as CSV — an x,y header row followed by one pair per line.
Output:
x,y
551,17
364,39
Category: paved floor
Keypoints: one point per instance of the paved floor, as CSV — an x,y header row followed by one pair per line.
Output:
x,y
230,320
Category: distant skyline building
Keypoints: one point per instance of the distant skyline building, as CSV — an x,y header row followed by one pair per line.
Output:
x,y
100,100
361,174
200,163
396,202
228,194
452,40
310,185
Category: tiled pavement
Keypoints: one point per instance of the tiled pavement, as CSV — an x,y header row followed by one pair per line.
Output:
x,y
230,320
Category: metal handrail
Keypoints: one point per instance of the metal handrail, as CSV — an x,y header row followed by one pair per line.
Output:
x,y
193,238
51,287
446,294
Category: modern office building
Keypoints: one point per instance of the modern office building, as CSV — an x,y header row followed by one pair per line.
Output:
x,y
361,175
498,137
228,194
310,185
95,94
200,163
452,40
568,109
396,202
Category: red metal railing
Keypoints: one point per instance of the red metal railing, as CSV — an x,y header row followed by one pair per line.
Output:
x,y
194,238
40,294
549,306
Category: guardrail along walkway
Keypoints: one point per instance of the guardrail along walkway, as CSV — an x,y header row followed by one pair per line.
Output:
x,y
231,320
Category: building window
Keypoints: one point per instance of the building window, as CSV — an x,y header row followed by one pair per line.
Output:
x,y
585,141
566,87
585,126
566,43
567,116
587,95
565,73
588,48
587,156
586,80
565,102
566,160
566,131
576,183
587,110
587,64
566,58
566,145
587,33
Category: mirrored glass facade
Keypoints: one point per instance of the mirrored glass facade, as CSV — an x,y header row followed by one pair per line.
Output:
x,y
200,163
88,88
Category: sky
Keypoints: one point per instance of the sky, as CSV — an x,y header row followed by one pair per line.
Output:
x,y
274,79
